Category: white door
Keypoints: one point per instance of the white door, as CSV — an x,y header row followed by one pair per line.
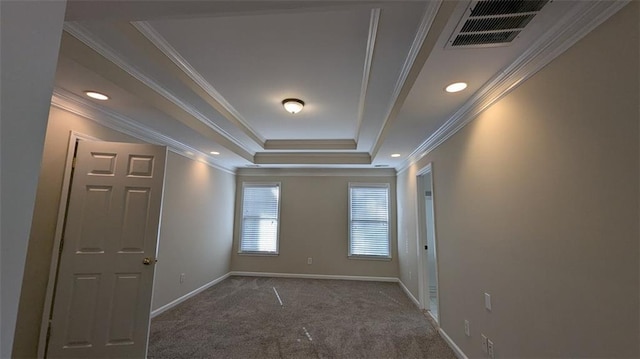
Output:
x,y
103,290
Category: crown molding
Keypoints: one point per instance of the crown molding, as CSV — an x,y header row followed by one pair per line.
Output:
x,y
585,17
310,145
163,45
366,75
316,172
72,103
85,36
312,158
410,70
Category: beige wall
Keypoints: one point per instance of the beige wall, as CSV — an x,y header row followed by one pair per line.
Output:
x,y
191,241
537,204
314,223
29,42
196,230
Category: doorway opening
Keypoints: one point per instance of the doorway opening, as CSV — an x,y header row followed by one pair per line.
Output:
x,y
428,281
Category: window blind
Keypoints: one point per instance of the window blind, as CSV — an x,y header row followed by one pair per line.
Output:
x,y
369,220
260,215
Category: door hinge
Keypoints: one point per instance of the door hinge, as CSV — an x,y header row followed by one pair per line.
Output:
x,y
49,331
73,163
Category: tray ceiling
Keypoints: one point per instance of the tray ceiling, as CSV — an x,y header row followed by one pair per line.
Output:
x,y
210,76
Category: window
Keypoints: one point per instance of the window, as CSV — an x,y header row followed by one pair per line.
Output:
x,y
260,218
369,220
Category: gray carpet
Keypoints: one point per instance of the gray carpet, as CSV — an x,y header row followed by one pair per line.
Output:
x,y
241,317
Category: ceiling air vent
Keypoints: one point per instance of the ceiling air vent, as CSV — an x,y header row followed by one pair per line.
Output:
x,y
494,22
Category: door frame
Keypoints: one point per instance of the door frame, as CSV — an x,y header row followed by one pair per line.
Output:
x,y
423,278
74,137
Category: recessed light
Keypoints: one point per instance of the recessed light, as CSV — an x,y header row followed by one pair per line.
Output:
x,y
395,155
214,152
96,95
456,87
293,105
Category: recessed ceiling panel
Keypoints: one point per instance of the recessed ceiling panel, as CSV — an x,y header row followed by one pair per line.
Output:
x,y
256,61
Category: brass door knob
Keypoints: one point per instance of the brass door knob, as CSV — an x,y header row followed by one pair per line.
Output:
x,y
148,261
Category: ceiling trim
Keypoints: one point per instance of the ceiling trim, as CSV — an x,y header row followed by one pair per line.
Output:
x,y
84,55
417,56
312,158
72,103
103,10
163,45
86,37
366,75
315,172
566,32
346,144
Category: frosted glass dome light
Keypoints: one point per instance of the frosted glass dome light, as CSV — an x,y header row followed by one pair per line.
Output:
x,y
293,105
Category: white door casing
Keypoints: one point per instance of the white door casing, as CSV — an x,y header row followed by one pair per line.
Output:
x,y
427,258
103,290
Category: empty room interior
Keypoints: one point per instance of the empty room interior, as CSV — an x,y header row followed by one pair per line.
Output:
x,y
439,179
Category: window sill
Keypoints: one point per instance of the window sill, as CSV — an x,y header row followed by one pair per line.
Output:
x,y
258,254
370,258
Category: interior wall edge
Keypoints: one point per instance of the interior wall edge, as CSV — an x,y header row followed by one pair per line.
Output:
x,y
30,39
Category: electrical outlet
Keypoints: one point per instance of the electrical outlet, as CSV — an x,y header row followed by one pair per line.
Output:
x,y
182,275
490,349
484,343
467,331
309,260
487,301
409,275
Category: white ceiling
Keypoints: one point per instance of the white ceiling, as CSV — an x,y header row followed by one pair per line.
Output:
x,y
210,76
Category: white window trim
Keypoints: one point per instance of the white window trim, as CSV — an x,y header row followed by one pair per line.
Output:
x,y
257,253
369,257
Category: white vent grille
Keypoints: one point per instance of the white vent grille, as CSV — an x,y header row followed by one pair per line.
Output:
x,y
494,22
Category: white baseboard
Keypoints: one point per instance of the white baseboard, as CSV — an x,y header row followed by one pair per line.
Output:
x,y
173,303
456,349
409,294
314,276
434,320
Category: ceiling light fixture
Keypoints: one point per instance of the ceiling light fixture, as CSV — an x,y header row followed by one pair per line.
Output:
x,y
395,155
214,152
96,95
456,87
293,105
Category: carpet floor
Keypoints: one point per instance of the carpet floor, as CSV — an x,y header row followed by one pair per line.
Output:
x,y
256,317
